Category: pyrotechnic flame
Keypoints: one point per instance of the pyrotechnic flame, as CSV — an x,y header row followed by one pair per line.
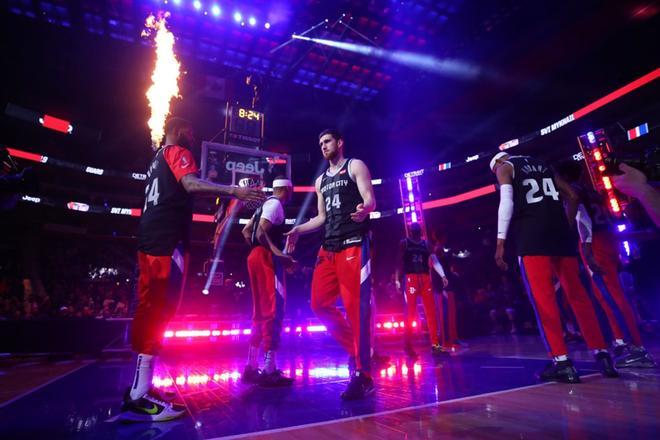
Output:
x,y
165,77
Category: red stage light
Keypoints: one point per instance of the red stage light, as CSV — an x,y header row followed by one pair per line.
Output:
x,y
607,182
614,203
56,124
602,168
598,155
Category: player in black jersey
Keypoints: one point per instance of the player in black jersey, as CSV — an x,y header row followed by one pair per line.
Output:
x,y
546,246
415,260
266,263
599,250
162,258
345,198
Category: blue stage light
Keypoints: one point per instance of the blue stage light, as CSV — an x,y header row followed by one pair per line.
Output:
x,y
238,17
197,5
252,21
267,25
215,10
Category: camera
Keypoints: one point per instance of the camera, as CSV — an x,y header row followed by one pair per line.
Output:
x,y
647,162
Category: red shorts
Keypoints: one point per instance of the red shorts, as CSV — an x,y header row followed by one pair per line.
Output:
x,y
346,273
160,287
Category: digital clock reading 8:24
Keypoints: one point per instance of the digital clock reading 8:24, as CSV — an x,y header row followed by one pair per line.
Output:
x,y
249,114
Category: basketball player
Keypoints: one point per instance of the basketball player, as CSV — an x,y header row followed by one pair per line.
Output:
x,y
599,250
345,198
545,245
416,259
264,233
162,257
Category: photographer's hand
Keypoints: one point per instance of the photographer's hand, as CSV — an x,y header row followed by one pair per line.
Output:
x,y
634,184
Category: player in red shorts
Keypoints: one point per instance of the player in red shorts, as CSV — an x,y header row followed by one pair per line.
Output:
x,y
416,259
345,198
162,258
266,263
546,246
599,250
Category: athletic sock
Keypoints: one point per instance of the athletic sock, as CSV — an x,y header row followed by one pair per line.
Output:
x,y
599,350
269,365
561,358
253,356
619,342
144,371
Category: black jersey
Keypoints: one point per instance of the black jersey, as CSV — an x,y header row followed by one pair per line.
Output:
x,y
341,197
601,219
416,257
539,225
167,212
276,231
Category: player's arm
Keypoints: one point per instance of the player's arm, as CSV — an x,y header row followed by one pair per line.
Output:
x,y
264,238
247,231
570,197
504,175
316,222
585,228
312,225
398,271
437,266
363,180
194,185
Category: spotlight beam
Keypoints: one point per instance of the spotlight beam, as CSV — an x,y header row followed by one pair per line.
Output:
x,y
290,40
414,60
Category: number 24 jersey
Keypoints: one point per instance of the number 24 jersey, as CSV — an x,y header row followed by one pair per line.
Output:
x,y
539,225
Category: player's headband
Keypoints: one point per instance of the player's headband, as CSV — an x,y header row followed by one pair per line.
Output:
x,y
493,161
280,183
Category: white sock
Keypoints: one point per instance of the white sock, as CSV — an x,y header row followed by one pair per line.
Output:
x,y
144,371
253,356
599,350
269,366
561,358
619,342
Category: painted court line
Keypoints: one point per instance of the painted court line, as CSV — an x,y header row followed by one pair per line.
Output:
x,y
38,387
392,411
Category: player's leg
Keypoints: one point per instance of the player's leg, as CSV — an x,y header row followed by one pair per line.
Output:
x,y
569,276
537,276
252,373
354,272
429,308
411,288
325,290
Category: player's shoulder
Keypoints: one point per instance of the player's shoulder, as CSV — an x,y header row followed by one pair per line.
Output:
x,y
355,163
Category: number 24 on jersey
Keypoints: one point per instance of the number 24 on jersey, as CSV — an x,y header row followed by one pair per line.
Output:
x,y
534,194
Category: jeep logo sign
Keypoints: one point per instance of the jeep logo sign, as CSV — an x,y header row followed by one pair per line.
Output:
x,y
252,168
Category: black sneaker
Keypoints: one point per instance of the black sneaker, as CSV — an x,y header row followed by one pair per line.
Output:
x,y
437,351
605,364
620,350
167,396
251,375
410,351
360,386
562,371
149,408
275,379
635,357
